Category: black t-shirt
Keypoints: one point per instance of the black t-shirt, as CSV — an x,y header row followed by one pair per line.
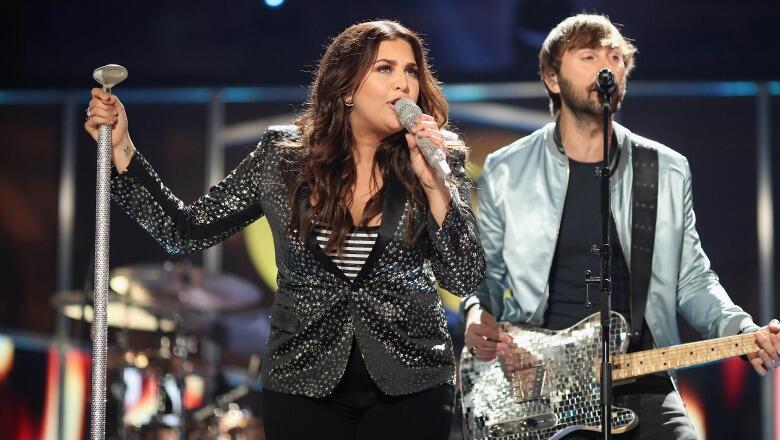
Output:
x,y
580,228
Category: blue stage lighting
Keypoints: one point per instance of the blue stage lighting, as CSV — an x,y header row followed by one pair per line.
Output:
x,y
274,3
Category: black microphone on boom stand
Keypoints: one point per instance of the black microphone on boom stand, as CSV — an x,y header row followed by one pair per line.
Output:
x,y
605,81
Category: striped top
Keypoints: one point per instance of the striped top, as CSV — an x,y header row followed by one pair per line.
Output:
x,y
357,245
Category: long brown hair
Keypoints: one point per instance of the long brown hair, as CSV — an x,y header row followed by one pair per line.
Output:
x,y
328,173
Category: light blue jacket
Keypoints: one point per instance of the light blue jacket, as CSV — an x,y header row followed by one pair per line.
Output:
x,y
521,195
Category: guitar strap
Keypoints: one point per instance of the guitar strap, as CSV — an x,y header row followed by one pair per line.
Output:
x,y
644,197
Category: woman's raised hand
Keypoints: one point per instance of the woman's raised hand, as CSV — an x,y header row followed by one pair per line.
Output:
x,y
105,108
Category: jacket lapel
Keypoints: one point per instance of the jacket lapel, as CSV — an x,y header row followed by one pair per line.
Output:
x,y
392,208
315,249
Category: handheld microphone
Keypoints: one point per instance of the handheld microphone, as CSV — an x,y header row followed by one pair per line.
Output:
x,y
407,111
605,81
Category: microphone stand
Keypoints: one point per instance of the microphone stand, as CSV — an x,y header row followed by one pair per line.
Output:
x,y
606,87
108,76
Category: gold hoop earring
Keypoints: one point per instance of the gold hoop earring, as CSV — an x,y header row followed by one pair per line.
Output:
x,y
349,103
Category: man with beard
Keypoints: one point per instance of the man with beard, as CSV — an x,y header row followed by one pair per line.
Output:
x,y
539,214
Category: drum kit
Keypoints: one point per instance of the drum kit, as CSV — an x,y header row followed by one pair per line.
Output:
x,y
167,328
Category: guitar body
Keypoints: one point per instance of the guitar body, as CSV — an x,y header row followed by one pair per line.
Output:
x,y
555,391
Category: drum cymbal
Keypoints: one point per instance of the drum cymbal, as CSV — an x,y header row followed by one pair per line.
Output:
x,y
172,287
120,314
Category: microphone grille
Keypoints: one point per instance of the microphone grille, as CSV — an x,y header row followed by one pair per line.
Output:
x,y
605,80
406,111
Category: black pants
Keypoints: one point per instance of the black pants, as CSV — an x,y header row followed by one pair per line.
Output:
x,y
660,410
357,409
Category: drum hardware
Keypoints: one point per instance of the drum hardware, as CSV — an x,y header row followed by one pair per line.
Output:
x,y
224,418
181,303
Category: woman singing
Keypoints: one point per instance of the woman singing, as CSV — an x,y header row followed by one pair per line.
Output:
x,y
362,226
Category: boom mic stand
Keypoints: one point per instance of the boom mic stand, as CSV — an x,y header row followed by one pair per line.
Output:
x,y
605,81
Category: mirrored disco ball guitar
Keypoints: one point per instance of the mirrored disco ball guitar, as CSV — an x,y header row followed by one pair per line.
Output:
x,y
553,387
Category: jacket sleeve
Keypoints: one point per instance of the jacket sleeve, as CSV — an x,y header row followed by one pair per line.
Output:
x,y
458,260
228,207
489,293
701,299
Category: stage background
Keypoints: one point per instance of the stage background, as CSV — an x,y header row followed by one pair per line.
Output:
x,y
49,50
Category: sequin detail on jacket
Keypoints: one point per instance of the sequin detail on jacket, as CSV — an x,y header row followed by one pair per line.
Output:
x,y
392,307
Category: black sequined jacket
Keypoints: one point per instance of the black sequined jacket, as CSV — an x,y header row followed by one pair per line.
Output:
x,y
391,308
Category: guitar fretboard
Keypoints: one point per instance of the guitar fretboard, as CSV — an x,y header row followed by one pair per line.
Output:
x,y
627,366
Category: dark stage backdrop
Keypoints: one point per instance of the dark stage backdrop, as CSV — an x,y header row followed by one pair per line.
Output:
x,y
49,43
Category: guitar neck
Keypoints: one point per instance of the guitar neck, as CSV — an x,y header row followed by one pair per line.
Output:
x,y
627,366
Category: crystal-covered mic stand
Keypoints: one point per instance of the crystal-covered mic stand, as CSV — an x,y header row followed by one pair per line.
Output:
x,y
108,76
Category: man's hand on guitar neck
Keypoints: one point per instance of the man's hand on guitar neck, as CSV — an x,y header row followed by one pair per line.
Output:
x,y
484,338
768,356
